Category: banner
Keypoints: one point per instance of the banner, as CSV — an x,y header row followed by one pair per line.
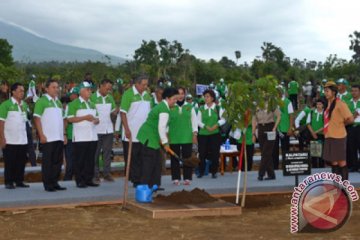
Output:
x,y
200,88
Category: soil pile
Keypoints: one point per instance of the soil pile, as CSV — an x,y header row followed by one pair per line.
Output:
x,y
185,197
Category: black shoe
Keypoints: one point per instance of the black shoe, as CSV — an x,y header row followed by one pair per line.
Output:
x,y
81,185
200,176
59,188
92,184
270,178
22,185
213,175
50,189
260,178
9,186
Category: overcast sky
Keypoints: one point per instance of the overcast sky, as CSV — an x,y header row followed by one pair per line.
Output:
x,y
310,29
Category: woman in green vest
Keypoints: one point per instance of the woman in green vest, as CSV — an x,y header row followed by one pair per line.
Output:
x,y
209,120
183,131
152,134
315,124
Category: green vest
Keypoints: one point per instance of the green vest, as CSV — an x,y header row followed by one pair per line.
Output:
x,y
284,124
306,110
322,93
180,127
293,88
248,136
317,120
208,120
352,107
149,132
346,97
221,88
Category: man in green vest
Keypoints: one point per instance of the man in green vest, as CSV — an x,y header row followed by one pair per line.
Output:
x,y
152,134
222,88
105,106
293,91
13,137
285,128
353,130
343,94
135,106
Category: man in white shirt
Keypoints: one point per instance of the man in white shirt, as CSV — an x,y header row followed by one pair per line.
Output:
x,y
48,118
135,106
105,106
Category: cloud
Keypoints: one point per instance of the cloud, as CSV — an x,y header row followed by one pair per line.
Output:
x,y
209,29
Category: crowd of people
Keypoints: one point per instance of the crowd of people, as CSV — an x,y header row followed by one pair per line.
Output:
x,y
81,127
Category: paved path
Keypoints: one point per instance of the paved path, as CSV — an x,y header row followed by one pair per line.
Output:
x,y
35,195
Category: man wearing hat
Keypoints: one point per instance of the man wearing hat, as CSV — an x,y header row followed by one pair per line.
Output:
x,y
320,88
84,117
307,89
189,99
222,88
31,93
69,172
48,118
343,94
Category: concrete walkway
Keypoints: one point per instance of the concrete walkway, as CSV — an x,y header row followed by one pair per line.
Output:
x,y
36,196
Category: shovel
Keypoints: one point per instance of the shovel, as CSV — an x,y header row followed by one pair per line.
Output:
x,y
192,161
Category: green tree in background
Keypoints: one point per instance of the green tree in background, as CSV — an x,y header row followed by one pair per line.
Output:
x,y
355,45
6,58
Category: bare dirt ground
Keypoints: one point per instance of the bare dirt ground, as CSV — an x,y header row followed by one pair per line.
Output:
x,y
265,217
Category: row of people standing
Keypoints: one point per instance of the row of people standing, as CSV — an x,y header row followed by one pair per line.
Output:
x,y
147,127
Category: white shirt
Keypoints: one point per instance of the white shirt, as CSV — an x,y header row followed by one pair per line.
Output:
x,y
105,125
84,131
136,115
221,121
15,126
52,122
163,125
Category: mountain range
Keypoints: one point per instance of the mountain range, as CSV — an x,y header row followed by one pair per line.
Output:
x,y
29,47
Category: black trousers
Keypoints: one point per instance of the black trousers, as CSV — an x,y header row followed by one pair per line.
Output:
x,y
266,147
84,161
151,166
52,159
184,151
136,164
294,100
209,148
69,173
249,155
353,147
30,146
15,160
285,147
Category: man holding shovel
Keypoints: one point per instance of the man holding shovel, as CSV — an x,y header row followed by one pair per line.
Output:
x,y
134,109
